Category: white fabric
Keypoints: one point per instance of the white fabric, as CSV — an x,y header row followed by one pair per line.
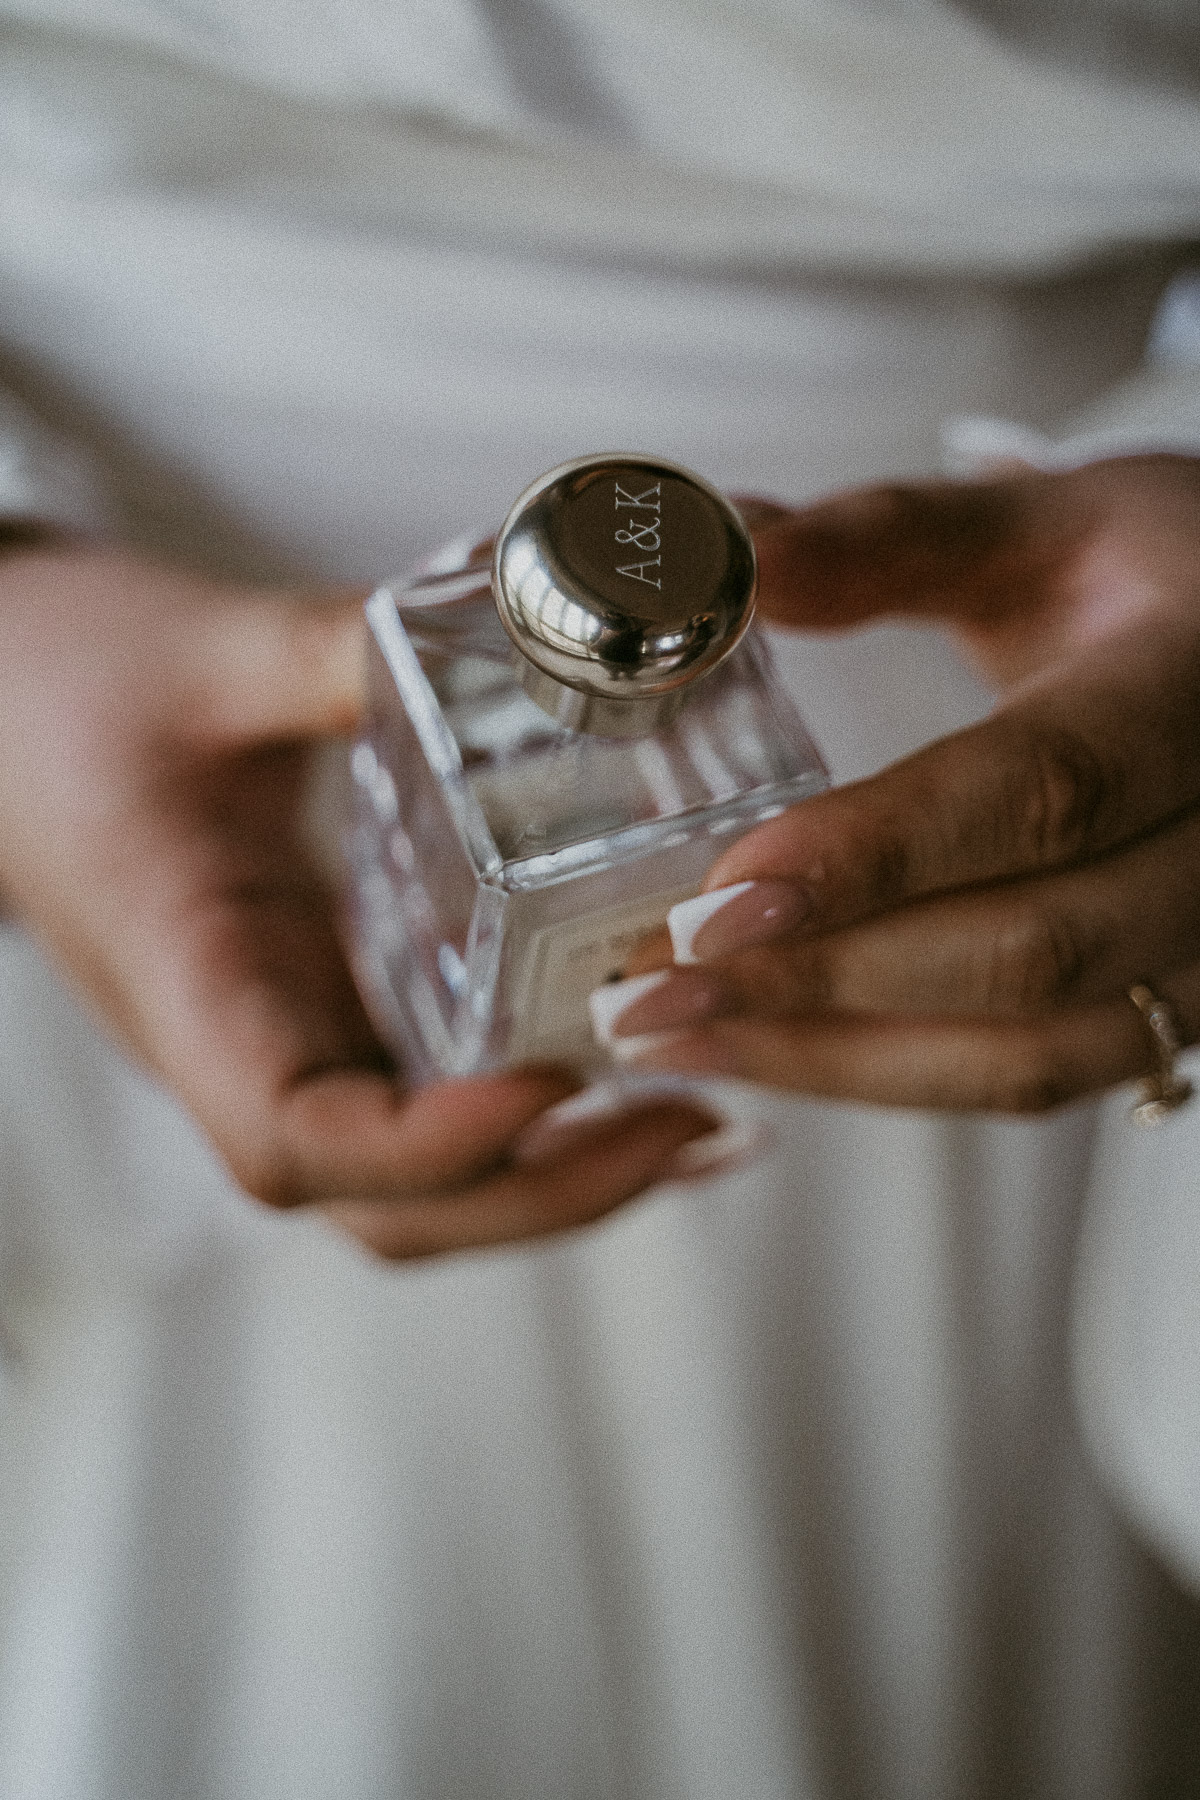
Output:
x,y
1137,1319
46,478
833,133
768,1489
1153,412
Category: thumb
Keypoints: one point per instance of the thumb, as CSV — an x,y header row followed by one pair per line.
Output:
x,y
280,665
934,549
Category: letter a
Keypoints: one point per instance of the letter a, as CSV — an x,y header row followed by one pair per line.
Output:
x,y
635,572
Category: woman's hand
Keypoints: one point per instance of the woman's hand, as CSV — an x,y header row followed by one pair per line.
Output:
x,y
154,735
963,929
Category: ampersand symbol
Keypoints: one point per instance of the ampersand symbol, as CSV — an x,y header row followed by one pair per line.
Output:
x,y
643,537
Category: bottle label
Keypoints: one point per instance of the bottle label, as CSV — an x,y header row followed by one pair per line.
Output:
x,y
565,961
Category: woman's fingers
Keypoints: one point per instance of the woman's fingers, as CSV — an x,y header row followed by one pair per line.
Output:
x,y
350,1132
1012,998
981,554
258,1028
247,1009
596,1171
951,1065
1087,576
179,657
917,549
151,787
962,929
1014,950
1064,772
249,1012
276,666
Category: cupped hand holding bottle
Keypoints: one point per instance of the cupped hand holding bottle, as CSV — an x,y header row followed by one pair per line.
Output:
x,y
155,730
963,929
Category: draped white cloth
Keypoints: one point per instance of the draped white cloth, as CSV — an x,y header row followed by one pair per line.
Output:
x,y
773,1488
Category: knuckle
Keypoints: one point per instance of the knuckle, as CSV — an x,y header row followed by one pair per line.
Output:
x,y
1058,804
1035,960
774,983
892,864
823,981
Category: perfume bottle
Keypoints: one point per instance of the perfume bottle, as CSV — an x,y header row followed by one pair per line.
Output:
x,y
564,728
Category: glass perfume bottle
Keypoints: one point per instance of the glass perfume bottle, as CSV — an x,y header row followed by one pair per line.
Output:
x,y
563,730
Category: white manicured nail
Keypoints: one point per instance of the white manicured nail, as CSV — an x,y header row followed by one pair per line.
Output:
x,y
607,1003
687,916
732,1146
560,1124
731,918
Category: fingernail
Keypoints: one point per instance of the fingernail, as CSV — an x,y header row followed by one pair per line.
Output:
x,y
734,1145
576,1121
730,918
553,1129
628,1015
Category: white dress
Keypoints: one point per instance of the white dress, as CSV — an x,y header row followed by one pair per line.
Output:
x,y
771,1489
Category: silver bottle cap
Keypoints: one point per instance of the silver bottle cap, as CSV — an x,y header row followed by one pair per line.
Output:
x,y
621,580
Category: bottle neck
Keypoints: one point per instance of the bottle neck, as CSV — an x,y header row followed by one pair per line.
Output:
x,y
576,711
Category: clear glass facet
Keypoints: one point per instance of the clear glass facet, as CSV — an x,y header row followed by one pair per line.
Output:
x,y
502,866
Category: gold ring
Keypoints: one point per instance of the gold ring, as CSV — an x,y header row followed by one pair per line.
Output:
x,y
1165,1090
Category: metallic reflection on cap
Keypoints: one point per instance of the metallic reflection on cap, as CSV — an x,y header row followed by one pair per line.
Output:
x,y
621,579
